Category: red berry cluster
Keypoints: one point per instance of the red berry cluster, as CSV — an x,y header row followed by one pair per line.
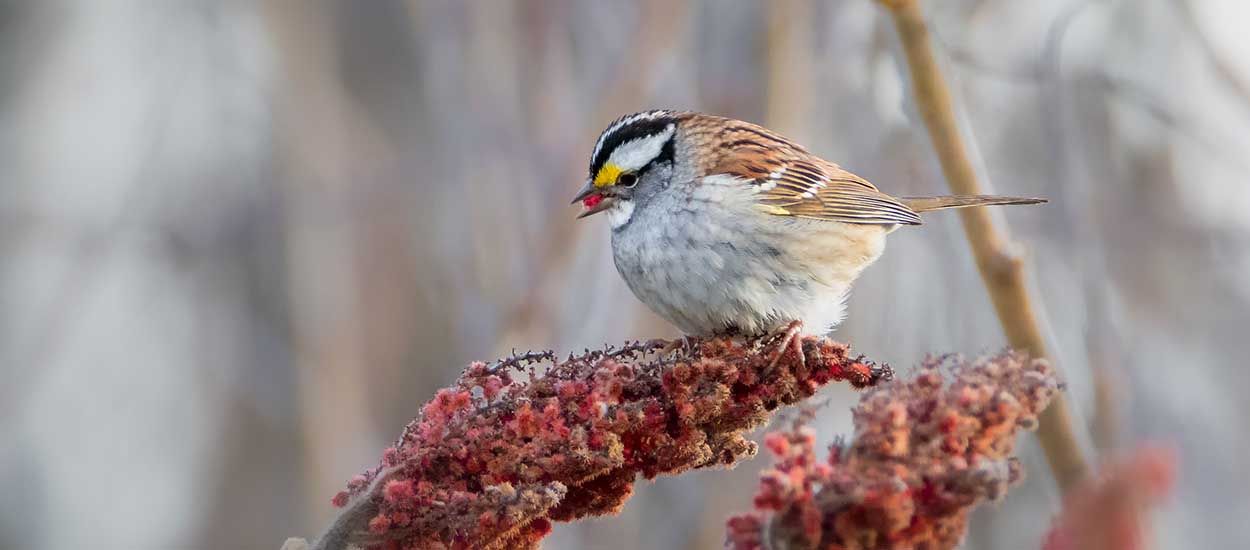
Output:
x,y
513,446
925,452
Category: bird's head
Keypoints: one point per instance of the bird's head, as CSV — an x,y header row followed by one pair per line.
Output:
x,y
632,159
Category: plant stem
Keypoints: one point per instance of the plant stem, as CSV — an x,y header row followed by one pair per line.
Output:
x,y
1002,269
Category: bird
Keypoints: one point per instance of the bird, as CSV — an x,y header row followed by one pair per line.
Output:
x,y
722,226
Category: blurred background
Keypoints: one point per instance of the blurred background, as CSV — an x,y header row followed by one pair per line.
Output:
x,y
241,243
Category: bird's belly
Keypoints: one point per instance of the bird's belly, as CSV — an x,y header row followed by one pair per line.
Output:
x,y
708,277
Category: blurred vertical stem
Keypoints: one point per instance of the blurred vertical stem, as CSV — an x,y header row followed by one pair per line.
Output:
x,y
1104,424
789,55
320,139
657,35
1001,268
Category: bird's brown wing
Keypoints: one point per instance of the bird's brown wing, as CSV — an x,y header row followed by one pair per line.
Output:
x,y
790,181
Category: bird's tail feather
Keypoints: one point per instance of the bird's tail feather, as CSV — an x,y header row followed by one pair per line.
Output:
x,y
926,204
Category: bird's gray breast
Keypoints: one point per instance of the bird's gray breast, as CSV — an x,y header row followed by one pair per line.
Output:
x,y
701,262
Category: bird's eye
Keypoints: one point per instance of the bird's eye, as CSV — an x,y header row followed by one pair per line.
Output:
x,y
628,179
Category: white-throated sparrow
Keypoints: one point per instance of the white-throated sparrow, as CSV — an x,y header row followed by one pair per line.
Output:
x,y
719,224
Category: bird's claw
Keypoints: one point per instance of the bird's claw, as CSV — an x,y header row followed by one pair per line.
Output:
x,y
684,344
789,339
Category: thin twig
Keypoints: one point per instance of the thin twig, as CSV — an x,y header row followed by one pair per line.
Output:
x,y
344,530
1002,269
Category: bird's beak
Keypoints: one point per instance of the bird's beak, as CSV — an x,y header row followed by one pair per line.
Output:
x,y
586,191
593,199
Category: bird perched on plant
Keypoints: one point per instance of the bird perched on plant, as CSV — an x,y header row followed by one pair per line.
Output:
x,y
721,225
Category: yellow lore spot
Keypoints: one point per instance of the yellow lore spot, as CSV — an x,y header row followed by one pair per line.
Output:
x,y
607,175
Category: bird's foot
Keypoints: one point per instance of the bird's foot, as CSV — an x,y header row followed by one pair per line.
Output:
x,y
685,344
790,338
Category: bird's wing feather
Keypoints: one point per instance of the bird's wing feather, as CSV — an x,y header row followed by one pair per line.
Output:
x,y
789,181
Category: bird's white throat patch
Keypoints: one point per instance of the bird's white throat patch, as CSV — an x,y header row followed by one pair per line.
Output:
x,y
637,153
620,213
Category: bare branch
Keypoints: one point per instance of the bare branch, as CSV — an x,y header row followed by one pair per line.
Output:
x,y
1001,267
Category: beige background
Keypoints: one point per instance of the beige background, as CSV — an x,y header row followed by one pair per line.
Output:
x,y
240,242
